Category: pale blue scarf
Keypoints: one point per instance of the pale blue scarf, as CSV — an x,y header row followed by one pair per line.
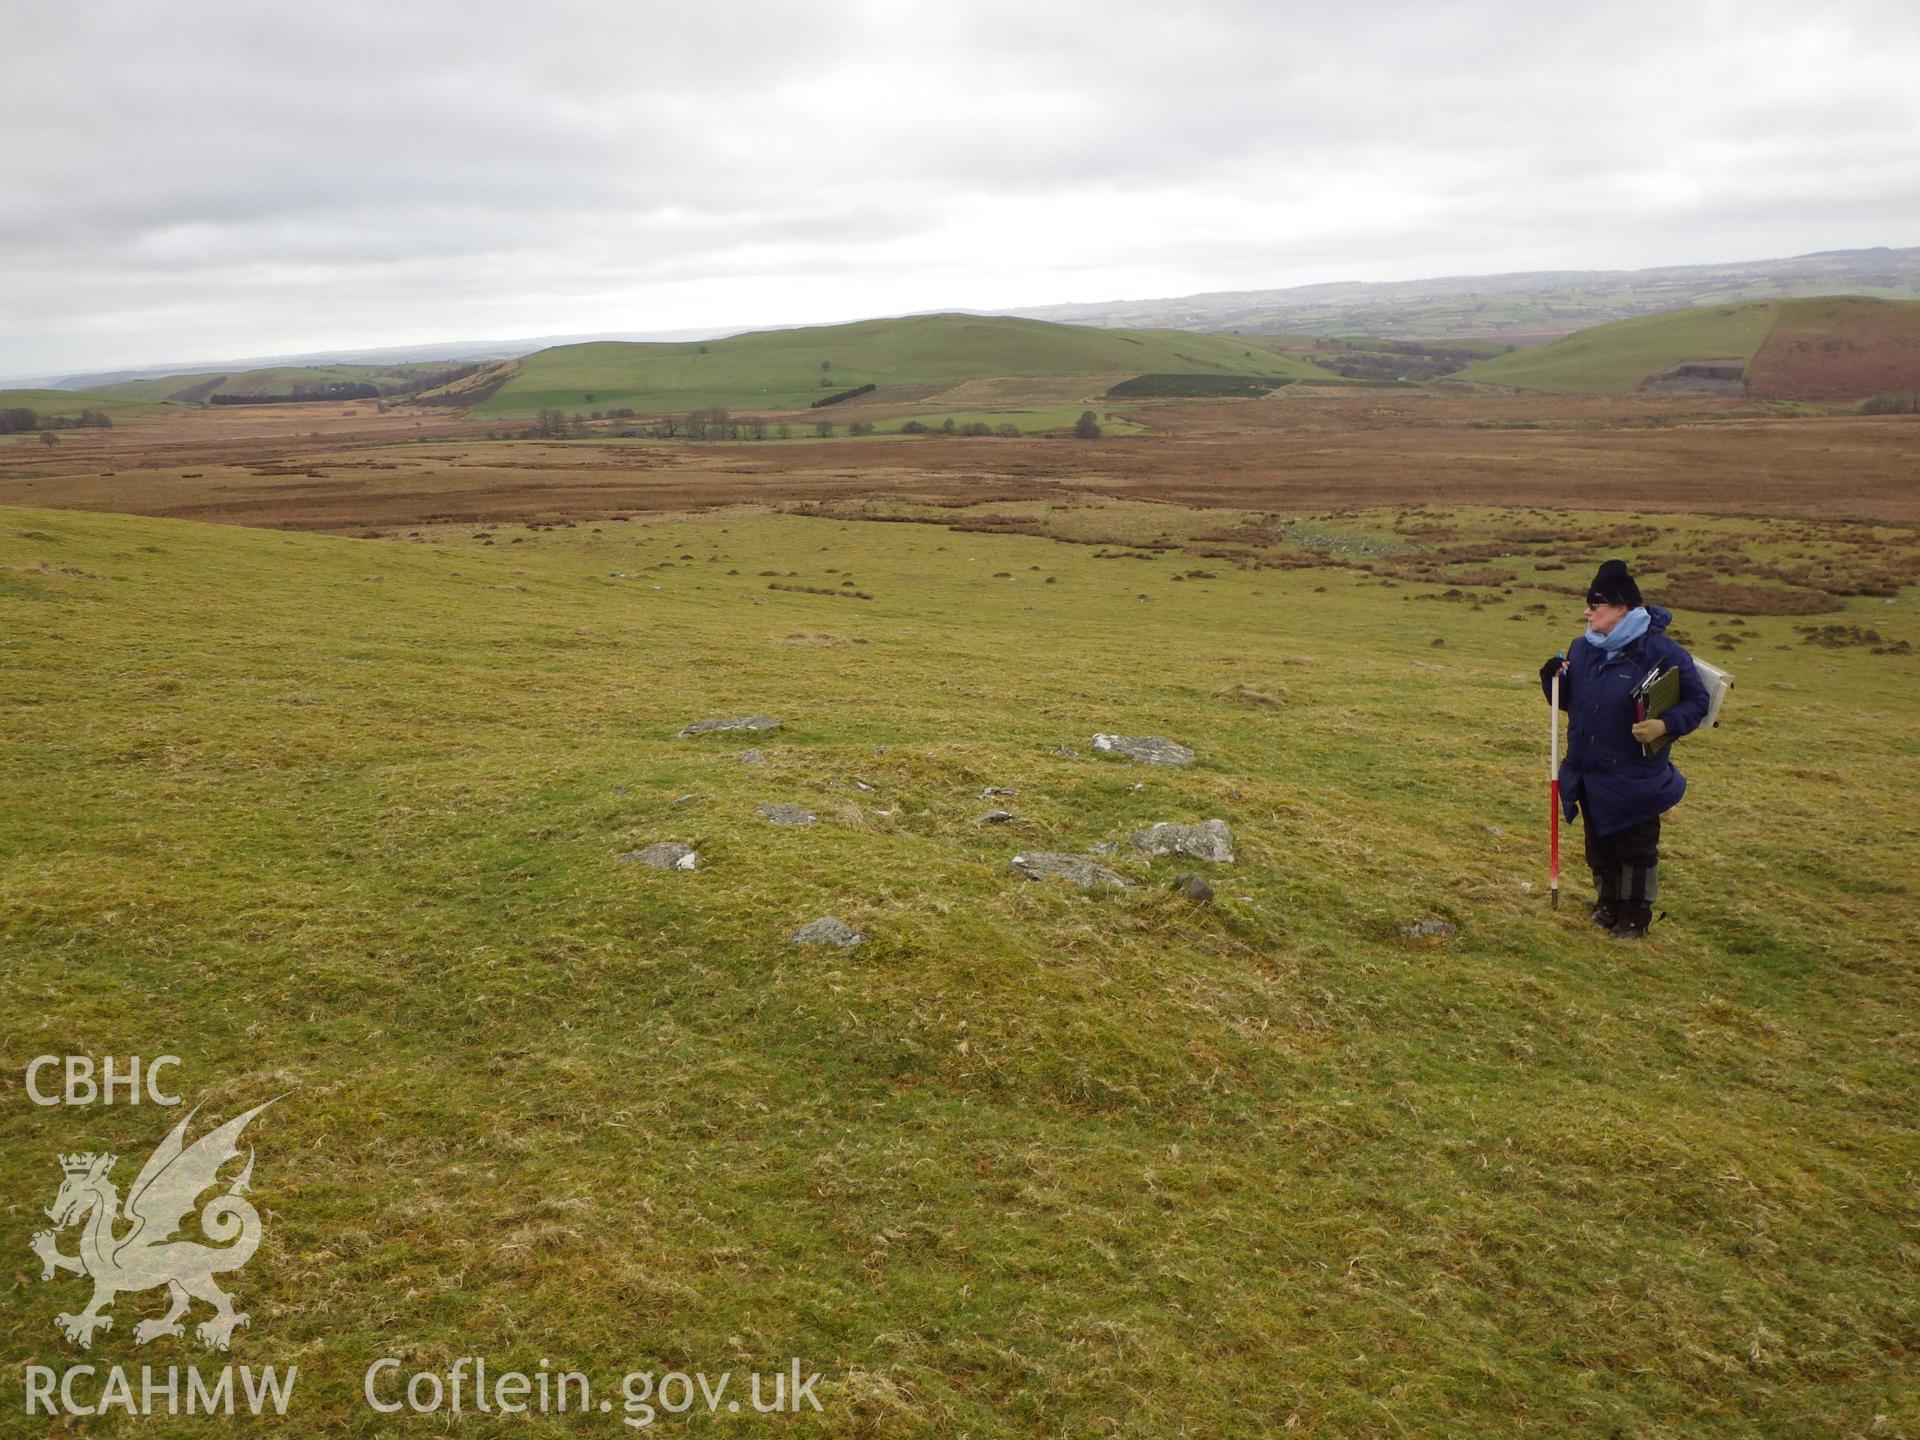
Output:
x,y
1632,626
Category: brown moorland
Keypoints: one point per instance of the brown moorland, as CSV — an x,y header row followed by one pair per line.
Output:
x,y
350,469
1839,348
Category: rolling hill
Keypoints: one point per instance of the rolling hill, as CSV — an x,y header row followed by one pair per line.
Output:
x,y
1527,305
69,403
277,380
789,369
1831,348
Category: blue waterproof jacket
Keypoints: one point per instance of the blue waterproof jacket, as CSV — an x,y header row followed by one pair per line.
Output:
x,y
1604,769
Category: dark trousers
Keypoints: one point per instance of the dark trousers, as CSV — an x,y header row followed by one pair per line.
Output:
x,y
1624,862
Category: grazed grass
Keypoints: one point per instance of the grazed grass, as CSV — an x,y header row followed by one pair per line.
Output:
x,y
343,816
1611,359
780,369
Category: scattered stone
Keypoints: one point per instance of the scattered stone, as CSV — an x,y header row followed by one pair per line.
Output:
x,y
1039,864
1192,887
1429,930
827,930
752,757
664,855
1495,831
1145,750
786,814
1211,840
879,749
740,722
1102,847
993,790
861,785
685,800
1066,752
995,817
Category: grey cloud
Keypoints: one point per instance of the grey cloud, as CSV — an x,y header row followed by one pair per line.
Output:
x,y
296,168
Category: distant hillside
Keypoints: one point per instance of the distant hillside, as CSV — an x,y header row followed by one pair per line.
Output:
x,y
1839,349
1527,306
283,380
1612,359
1834,348
789,369
67,404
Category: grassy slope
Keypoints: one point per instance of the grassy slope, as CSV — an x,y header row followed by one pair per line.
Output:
x,y
1612,359
72,402
779,369
274,380
341,816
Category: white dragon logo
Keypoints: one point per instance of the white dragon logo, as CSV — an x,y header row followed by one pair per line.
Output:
x,y
164,1193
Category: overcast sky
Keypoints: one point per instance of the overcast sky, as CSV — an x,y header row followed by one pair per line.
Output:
x,y
192,180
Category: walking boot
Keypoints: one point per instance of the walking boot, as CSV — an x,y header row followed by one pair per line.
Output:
x,y
1638,886
1606,907
1633,922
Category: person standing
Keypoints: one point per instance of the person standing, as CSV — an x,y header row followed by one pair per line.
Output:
x,y
1619,791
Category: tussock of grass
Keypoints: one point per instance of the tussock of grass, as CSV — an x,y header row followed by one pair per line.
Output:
x,y
342,817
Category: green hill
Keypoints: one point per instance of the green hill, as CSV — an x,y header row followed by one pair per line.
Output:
x,y
72,402
276,380
1615,358
788,369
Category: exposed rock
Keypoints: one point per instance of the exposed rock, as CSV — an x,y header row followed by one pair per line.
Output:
x,y
995,817
1192,887
1429,930
664,855
740,722
1102,847
752,757
1145,749
786,814
1209,841
827,930
1038,864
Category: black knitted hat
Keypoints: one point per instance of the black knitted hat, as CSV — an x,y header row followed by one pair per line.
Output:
x,y
1614,586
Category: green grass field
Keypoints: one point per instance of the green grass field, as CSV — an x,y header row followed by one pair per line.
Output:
x,y
72,402
340,819
780,369
270,380
1613,359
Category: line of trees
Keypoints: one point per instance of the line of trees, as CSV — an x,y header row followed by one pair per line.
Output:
x,y
716,423
20,420
304,393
